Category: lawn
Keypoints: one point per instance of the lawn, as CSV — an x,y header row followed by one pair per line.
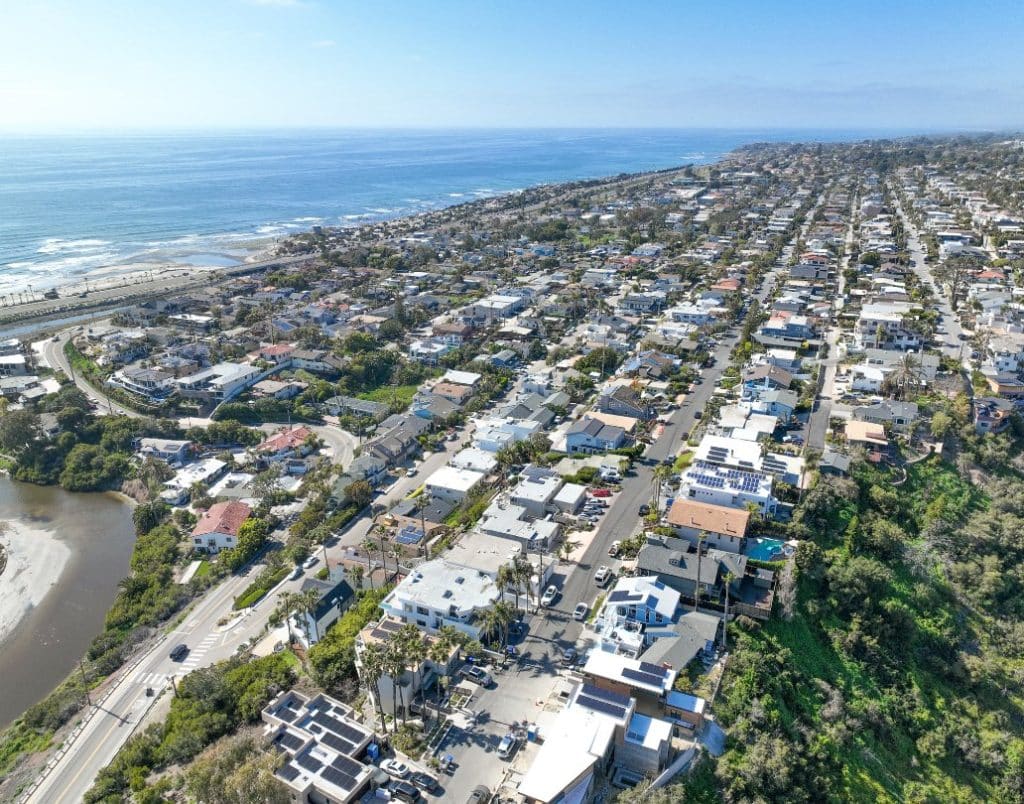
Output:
x,y
388,394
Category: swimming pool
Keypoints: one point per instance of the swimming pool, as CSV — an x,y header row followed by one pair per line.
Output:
x,y
766,550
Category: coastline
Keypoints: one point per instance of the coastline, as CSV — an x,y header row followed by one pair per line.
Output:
x,y
36,559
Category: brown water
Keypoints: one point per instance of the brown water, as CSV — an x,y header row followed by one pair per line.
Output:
x,y
50,639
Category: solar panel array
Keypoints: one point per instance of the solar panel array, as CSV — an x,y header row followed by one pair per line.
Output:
x,y
657,669
288,772
644,678
409,535
290,741
312,764
594,691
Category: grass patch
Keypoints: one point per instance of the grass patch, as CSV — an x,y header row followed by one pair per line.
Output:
x,y
204,569
400,395
258,588
595,608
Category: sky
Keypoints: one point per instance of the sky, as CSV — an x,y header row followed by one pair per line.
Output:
x,y
230,64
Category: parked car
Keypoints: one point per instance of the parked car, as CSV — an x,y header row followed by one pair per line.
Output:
x,y
569,657
603,575
507,747
697,414
411,472
179,652
310,562
476,674
480,795
614,548
404,791
601,493
644,510
580,612
550,594
424,781
395,768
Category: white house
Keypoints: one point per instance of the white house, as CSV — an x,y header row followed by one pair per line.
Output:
x,y
452,483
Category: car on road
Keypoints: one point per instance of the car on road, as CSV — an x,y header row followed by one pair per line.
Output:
x,y
644,510
477,675
550,595
178,652
296,572
411,472
310,562
614,548
963,336
480,795
697,414
424,781
404,791
580,612
507,747
395,768
603,575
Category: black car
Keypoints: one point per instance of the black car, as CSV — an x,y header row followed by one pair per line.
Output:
x,y
645,509
424,781
404,791
179,652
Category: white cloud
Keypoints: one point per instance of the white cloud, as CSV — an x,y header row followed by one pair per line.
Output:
x,y
322,43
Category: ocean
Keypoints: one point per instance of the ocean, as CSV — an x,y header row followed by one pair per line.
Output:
x,y
84,207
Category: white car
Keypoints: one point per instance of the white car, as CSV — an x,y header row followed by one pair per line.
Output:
x,y
580,612
310,562
395,768
549,596
614,548
602,575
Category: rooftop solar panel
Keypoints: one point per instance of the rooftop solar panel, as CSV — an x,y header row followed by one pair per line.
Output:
x,y
347,765
288,772
617,595
594,691
643,678
601,706
337,743
290,741
657,669
312,764
336,777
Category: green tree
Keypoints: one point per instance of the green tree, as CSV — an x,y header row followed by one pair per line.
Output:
x,y
18,431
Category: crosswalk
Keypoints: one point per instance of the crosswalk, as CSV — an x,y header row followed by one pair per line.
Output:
x,y
155,680
198,652
191,662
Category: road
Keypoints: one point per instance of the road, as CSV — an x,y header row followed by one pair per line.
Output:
x,y
53,353
110,723
817,425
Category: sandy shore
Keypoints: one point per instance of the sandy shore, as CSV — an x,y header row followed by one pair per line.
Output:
x,y
35,562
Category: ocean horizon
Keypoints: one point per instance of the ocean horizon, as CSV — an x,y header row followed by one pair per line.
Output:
x,y
84,206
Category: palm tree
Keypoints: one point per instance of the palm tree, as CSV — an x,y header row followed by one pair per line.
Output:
x,y
522,573
288,603
383,550
415,650
394,666
906,376
489,619
566,547
728,578
309,601
505,616
701,538
372,660
439,651
356,574
662,472
504,578
369,545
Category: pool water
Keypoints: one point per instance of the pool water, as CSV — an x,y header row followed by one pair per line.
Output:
x,y
766,550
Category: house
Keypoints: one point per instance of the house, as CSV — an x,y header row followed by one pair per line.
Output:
x,y
488,554
202,472
439,593
992,414
322,744
695,636
767,377
219,383
432,407
424,514
398,440
724,528
870,435
775,403
429,351
734,488
513,523
674,562
333,598
452,483
899,416
622,400
218,528
492,434
285,444
168,450
278,389
834,463
637,611
536,492
591,435
151,383
352,406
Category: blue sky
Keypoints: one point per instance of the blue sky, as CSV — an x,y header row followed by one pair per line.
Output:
x,y
115,64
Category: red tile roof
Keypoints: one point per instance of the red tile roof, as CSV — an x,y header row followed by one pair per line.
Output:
x,y
223,517
285,440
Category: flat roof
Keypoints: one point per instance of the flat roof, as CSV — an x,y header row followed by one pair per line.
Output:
x,y
455,479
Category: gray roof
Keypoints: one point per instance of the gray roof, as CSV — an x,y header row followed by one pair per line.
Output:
x,y
694,631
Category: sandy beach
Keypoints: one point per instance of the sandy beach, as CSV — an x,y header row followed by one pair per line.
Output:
x,y
35,562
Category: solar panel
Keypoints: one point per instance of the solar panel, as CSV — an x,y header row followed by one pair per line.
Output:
x,y
309,763
647,667
336,777
594,691
618,595
643,678
288,772
601,706
290,741
337,743
347,765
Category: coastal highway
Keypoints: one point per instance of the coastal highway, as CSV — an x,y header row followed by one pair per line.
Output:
x,y
135,289
114,717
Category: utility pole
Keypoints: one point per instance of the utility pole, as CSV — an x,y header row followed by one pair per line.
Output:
x,y
174,685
